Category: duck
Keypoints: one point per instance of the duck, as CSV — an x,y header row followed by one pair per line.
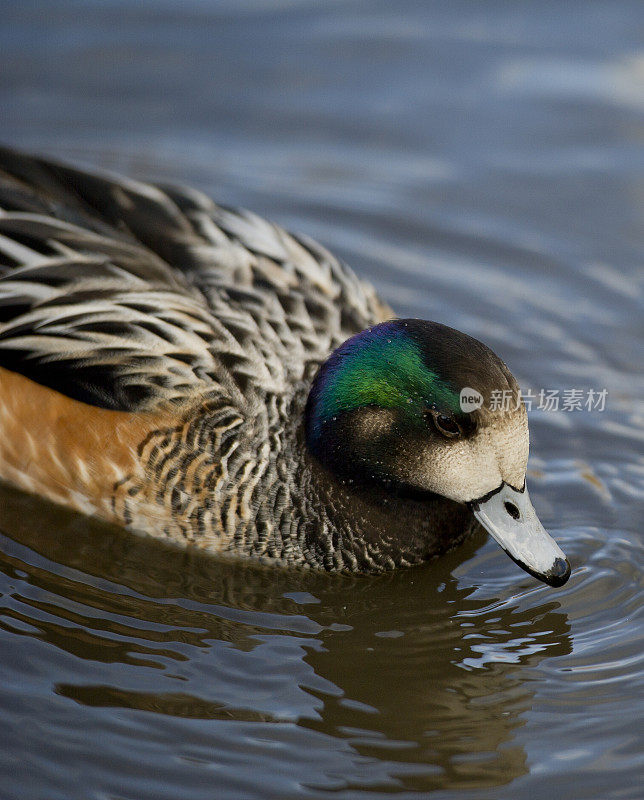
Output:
x,y
193,372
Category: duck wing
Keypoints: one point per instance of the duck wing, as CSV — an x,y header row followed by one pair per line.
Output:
x,y
126,295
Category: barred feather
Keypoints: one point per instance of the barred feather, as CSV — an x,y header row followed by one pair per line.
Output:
x,y
125,295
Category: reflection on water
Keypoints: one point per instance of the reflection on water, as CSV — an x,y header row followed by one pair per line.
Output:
x,y
193,638
482,164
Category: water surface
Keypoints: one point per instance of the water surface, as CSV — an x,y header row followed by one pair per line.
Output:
x,y
483,165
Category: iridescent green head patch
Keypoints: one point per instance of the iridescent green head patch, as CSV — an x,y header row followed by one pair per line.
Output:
x,y
385,366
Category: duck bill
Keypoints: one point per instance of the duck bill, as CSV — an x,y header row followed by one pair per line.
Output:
x,y
508,516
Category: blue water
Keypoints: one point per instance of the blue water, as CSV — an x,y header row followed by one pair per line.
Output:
x,y
483,165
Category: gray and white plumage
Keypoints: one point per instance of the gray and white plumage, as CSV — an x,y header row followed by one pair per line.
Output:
x,y
95,262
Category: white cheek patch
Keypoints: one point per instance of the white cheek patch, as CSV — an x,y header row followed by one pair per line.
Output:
x,y
466,469
511,440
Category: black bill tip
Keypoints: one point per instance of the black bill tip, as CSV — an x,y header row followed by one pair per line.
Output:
x,y
558,574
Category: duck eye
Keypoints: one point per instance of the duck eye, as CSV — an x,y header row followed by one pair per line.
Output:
x,y
445,425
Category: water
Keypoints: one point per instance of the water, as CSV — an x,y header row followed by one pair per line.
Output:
x,y
483,165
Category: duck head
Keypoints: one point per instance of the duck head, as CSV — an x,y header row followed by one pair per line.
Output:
x,y
424,409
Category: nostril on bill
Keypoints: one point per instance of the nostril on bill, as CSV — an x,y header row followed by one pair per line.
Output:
x,y
512,510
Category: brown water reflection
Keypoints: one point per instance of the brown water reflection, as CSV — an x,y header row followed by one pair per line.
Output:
x,y
435,694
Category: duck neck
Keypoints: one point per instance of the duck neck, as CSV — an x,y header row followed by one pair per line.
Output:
x,y
347,524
